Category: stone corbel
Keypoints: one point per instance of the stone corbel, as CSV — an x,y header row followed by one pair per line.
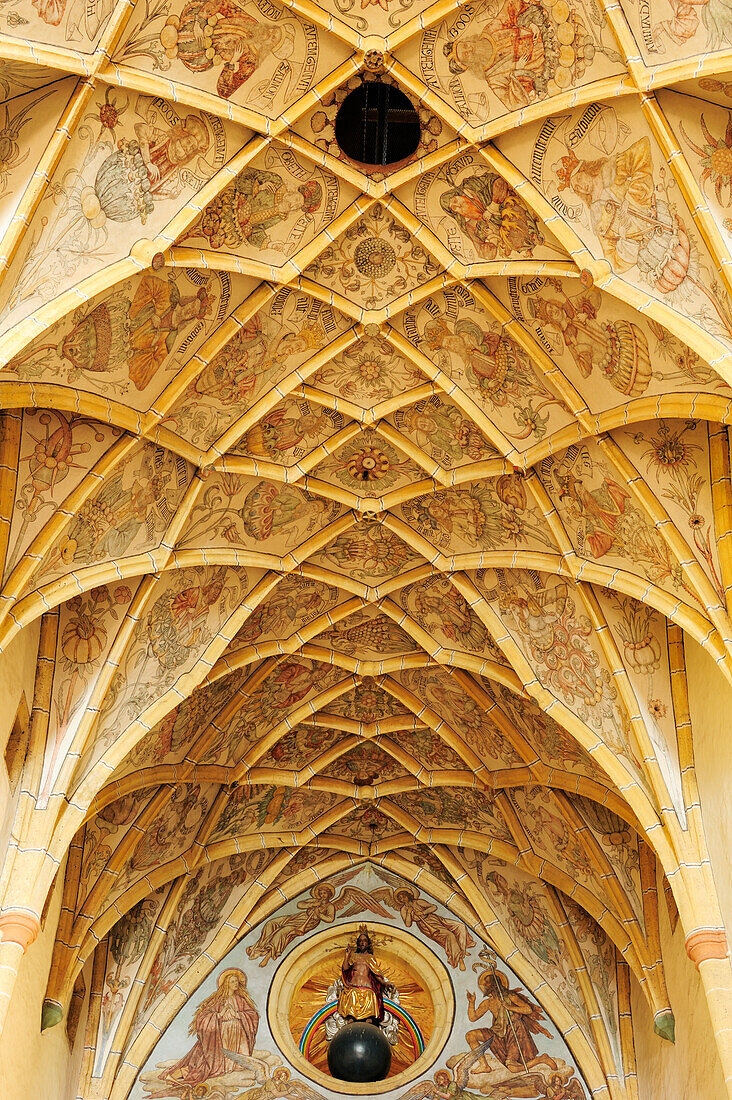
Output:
x,y
19,926
706,943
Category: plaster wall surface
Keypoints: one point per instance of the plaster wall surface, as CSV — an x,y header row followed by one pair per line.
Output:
x,y
17,677
710,701
688,1069
35,1065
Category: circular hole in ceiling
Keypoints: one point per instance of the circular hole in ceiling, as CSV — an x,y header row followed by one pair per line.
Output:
x,y
377,125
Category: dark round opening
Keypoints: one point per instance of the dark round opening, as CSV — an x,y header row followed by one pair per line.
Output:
x,y
377,125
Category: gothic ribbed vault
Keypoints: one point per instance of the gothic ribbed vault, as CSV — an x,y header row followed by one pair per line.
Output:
x,y
365,512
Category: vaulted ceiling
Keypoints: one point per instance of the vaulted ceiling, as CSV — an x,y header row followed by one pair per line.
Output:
x,y
366,510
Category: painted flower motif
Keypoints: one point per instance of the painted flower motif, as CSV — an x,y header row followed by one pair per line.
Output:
x,y
109,113
373,551
368,464
185,602
374,820
672,452
84,638
122,594
531,422
513,526
618,839
511,491
463,435
230,533
375,260
716,158
374,257
657,709
669,452
642,651
230,484
368,702
585,926
370,368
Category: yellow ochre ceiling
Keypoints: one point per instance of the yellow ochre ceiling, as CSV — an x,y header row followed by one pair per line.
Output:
x,y
365,510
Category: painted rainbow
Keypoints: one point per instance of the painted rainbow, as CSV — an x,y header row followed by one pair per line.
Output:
x,y
408,1028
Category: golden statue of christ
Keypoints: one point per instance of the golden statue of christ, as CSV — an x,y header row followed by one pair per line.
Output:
x,y
362,996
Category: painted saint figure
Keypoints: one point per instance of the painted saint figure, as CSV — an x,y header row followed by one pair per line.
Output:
x,y
635,224
520,52
226,1022
507,54
254,204
492,216
362,997
140,171
492,361
516,1020
158,313
118,333
597,512
618,349
212,33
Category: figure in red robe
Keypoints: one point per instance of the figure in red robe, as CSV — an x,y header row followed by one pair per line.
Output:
x,y
227,1021
362,997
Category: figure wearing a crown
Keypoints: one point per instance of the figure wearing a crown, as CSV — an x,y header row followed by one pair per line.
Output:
x,y
362,996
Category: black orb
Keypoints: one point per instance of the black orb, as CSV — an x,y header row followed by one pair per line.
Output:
x,y
359,1052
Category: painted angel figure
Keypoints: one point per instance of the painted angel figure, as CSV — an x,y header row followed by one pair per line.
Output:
x,y
280,1086
446,1085
451,935
442,1087
562,1085
279,932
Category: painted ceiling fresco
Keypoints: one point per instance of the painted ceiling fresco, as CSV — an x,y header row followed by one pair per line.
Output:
x,y
365,511
378,894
